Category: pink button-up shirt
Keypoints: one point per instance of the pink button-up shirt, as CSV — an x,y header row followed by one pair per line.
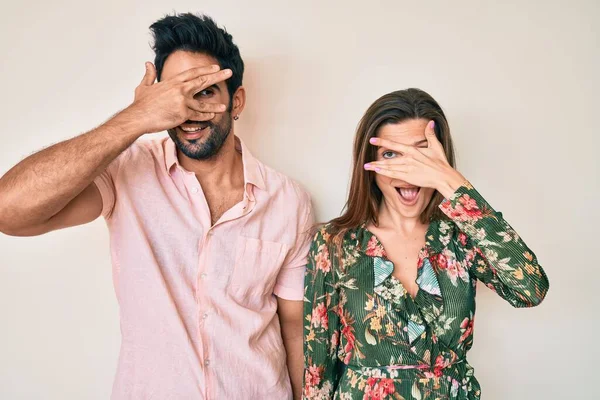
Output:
x,y
197,305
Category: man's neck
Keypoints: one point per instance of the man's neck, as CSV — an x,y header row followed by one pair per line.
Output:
x,y
224,169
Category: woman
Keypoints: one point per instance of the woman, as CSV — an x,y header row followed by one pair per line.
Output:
x,y
390,285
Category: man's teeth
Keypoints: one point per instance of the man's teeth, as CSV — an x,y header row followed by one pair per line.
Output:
x,y
193,129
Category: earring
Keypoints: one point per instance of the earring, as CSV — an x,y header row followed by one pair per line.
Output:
x,y
236,117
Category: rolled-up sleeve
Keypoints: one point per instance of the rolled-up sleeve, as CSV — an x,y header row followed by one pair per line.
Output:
x,y
290,280
105,182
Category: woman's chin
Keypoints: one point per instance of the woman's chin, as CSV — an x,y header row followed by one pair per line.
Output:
x,y
409,207
406,211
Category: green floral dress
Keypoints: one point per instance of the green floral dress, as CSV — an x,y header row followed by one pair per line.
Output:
x,y
365,337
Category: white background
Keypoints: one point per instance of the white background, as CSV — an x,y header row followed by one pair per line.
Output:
x,y
518,81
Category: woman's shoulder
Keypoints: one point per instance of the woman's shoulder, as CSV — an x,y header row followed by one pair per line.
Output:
x,y
322,233
329,233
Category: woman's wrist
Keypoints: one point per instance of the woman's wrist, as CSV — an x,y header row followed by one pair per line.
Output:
x,y
450,182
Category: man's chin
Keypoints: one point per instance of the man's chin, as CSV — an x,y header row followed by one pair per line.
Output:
x,y
199,149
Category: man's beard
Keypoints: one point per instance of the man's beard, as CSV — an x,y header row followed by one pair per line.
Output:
x,y
212,144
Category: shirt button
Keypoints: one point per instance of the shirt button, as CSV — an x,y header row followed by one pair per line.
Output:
x,y
205,316
203,275
195,190
206,362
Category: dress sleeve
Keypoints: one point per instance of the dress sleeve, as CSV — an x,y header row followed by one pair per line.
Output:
x,y
321,324
496,254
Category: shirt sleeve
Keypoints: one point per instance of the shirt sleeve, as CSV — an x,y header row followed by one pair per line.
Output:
x,y
105,182
496,254
322,338
290,281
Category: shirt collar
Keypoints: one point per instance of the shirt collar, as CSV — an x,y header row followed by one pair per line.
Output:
x,y
252,169
170,155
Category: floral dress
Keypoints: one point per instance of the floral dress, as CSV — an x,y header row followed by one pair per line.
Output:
x,y
365,337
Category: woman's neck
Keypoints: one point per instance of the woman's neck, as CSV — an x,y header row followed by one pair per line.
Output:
x,y
392,220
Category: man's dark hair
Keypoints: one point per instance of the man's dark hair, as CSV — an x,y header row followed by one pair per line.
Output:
x,y
198,34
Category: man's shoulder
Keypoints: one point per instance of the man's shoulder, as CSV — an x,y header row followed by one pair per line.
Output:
x,y
282,186
144,151
149,146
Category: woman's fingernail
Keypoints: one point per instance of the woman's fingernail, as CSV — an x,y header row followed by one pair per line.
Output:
x,y
432,124
377,169
367,166
373,140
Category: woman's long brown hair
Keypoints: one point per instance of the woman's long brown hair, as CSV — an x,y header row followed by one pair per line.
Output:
x,y
365,197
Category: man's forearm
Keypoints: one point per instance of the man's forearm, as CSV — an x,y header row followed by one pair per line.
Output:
x,y
44,183
295,364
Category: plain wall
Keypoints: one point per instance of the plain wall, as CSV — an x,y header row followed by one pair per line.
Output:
x,y
518,81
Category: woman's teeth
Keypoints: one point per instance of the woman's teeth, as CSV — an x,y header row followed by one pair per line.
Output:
x,y
408,194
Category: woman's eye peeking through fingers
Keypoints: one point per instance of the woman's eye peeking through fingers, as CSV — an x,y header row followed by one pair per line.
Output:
x,y
388,154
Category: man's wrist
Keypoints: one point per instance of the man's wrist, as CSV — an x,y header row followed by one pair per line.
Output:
x,y
128,123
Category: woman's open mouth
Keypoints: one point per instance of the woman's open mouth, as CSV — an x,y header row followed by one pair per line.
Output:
x,y
408,195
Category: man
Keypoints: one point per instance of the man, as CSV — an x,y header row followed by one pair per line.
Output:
x,y
208,244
